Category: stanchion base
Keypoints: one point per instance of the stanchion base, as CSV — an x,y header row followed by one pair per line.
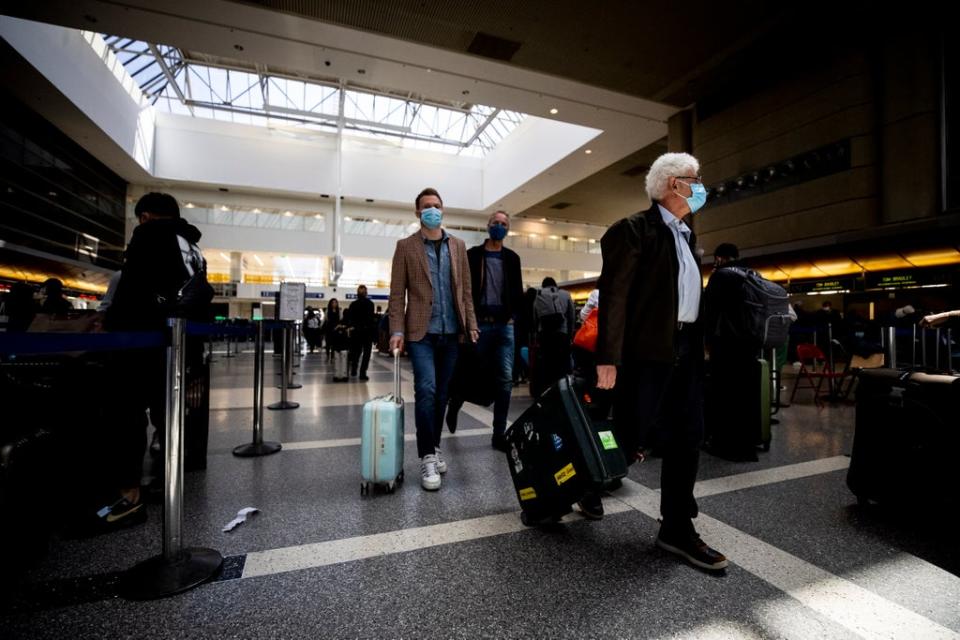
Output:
x,y
293,385
280,406
159,578
255,449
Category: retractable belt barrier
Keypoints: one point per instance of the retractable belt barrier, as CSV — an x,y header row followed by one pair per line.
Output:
x,y
178,568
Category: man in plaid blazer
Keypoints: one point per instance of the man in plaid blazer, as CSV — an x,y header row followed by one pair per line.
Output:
x,y
431,310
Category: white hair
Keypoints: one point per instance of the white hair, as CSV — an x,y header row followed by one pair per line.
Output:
x,y
494,215
669,165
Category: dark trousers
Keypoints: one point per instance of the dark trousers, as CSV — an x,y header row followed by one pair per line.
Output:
x,y
360,345
552,361
139,383
660,406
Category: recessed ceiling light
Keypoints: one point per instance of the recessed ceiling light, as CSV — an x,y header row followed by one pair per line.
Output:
x,y
592,241
554,111
347,218
375,221
554,237
588,151
223,207
189,205
318,216
543,219
256,210
288,213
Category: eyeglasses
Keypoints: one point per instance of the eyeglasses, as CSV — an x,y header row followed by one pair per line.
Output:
x,y
698,179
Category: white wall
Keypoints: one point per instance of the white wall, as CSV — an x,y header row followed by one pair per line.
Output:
x,y
91,78
529,150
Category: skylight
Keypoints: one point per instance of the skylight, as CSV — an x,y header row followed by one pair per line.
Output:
x,y
176,83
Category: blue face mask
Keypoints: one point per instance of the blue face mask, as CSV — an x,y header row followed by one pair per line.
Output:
x,y
698,198
497,232
431,217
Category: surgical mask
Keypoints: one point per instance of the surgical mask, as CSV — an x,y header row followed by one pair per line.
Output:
x,y
698,198
497,232
431,217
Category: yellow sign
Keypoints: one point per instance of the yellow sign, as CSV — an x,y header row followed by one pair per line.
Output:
x,y
527,494
564,474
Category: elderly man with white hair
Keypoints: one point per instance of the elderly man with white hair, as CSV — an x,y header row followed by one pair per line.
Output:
x,y
650,345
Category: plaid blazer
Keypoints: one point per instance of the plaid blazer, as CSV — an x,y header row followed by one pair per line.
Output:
x,y
411,290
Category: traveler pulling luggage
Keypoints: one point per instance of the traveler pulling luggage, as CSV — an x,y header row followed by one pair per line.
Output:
x,y
339,342
381,441
906,439
557,455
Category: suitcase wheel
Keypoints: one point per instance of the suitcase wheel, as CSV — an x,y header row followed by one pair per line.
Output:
x,y
400,477
765,446
391,486
364,488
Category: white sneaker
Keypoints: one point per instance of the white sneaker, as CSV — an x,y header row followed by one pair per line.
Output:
x,y
441,463
429,477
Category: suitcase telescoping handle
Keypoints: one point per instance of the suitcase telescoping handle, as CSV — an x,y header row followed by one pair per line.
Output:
x,y
396,377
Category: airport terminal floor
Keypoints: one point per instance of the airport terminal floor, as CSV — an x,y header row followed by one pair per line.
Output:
x,y
320,561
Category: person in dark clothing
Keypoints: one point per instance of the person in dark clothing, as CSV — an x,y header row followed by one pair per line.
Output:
x,y
18,306
730,408
330,322
650,345
362,320
161,257
554,322
53,300
497,289
311,329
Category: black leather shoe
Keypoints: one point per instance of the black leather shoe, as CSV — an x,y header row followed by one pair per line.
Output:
x,y
499,442
591,506
692,549
452,416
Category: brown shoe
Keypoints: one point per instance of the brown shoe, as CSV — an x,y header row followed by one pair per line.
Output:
x,y
694,550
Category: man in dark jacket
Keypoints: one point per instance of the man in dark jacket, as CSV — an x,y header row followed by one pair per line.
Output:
x,y
161,257
731,409
497,288
362,318
650,344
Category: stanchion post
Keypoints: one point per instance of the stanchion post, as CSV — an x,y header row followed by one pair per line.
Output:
x,y
258,447
177,569
923,347
891,347
950,350
913,347
284,374
830,380
936,349
293,360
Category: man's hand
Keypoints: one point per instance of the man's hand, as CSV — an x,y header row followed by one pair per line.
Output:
x,y
474,335
396,342
606,376
937,319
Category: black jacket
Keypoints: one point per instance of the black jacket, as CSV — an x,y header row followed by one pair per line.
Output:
x,y
724,311
637,314
153,269
362,317
476,256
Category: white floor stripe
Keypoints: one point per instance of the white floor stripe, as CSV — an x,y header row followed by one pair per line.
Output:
x,y
761,477
355,442
853,607
383,544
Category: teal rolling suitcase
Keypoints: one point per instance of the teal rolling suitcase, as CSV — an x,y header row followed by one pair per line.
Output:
x,y
381,441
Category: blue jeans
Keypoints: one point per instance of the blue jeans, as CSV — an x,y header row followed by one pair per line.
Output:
x,y
496,347
433,360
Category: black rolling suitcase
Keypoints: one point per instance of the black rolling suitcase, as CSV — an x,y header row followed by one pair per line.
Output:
x,y
906,440
557,454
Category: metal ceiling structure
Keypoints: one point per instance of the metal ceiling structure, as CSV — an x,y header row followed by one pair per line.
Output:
x,y
201,86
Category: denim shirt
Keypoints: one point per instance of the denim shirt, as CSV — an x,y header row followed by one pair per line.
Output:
x,y
443,315
689,282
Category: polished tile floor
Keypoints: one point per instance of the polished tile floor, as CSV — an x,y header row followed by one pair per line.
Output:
x,y
319,561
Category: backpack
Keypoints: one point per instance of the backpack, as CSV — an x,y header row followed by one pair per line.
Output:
x,y
313,322
766,319
195,294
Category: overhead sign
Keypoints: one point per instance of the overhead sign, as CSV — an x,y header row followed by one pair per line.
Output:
x,y
908,279
371,296
816,286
